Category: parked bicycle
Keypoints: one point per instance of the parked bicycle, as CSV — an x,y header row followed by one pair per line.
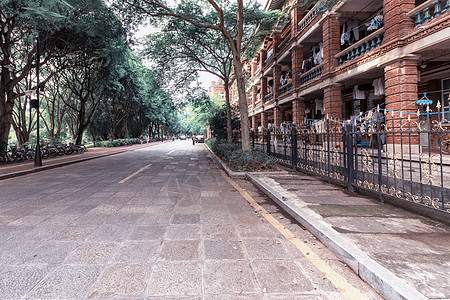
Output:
x,y
11,155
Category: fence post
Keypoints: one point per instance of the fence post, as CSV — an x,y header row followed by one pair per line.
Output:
x,y
380,163
294,147
350,166
268,142
328,149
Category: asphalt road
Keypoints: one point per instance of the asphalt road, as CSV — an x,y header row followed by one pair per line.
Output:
x,y
160,222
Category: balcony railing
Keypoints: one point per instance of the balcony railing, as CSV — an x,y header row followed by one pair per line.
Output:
x,y
429,10
257,104
250,107
257,71
268,60
285,88
309,17
311,74
284,44
268,97
361,47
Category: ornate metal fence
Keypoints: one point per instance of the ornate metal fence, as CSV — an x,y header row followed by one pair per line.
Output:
x,y
397,154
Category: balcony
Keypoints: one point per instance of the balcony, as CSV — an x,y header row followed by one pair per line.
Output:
x,y
284,44
429,10
268,97
257,104
311,74
285,88
257,71
309,17
250,107
268,60
361,47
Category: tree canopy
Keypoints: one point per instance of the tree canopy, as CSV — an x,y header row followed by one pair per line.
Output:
x,y
236,21
90,78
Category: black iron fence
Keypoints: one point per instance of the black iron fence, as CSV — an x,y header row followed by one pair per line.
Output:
x,y
400,155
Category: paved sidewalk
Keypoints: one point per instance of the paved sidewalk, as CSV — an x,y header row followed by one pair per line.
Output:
x,y
17,169
401,254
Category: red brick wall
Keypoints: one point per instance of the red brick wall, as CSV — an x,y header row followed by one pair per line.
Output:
x,y
297,59
331,43
298,111
396,23
277,117
401,91
276,80
264,120
262,58
263,88
332,101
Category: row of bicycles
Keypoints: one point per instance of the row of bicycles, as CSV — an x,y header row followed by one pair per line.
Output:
x,y
14,154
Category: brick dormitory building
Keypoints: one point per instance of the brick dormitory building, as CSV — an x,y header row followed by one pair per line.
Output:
x,y
347,59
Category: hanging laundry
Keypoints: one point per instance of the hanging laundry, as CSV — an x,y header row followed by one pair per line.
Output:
x,y
349,34
319,105
358,94
378,86
353,31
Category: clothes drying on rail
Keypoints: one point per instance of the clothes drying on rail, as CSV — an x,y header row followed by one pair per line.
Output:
x,y
358,94
319,105
378,86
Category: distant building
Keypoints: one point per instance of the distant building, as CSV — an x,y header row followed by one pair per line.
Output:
x,y
217,90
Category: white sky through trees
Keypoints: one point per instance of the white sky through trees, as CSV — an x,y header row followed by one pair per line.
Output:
x,y
205,78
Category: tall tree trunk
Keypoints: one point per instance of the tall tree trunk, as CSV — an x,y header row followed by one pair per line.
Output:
x,y
228,106
243,108
125,127
6,110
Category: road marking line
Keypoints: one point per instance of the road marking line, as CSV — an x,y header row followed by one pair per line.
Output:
x,y
135,173
170,152
347,290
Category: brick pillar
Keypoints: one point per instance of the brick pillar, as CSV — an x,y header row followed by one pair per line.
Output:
x,y
396,23
254,124
262,58
294,21
297,60
401,90
331,43
276,42
298,111
263,89
332,101
277,117
276,81
254,67
264,120
254,93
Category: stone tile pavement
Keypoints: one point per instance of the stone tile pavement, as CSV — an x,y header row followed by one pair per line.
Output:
x,y
176,230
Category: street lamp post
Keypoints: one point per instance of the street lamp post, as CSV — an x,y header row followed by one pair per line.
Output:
x,y
37,157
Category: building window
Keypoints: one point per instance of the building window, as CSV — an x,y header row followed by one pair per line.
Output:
x,y
446,97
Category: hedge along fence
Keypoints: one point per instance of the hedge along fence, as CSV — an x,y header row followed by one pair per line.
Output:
x,y
241,161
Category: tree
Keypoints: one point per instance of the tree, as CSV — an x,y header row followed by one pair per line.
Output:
x,y
21,22
88,77
232,27
182,52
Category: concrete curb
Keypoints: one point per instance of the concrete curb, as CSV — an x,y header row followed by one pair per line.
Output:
x,y
381,279
234,174
61,164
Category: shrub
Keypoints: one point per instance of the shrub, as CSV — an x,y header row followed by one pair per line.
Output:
x,y
241,161
117,143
